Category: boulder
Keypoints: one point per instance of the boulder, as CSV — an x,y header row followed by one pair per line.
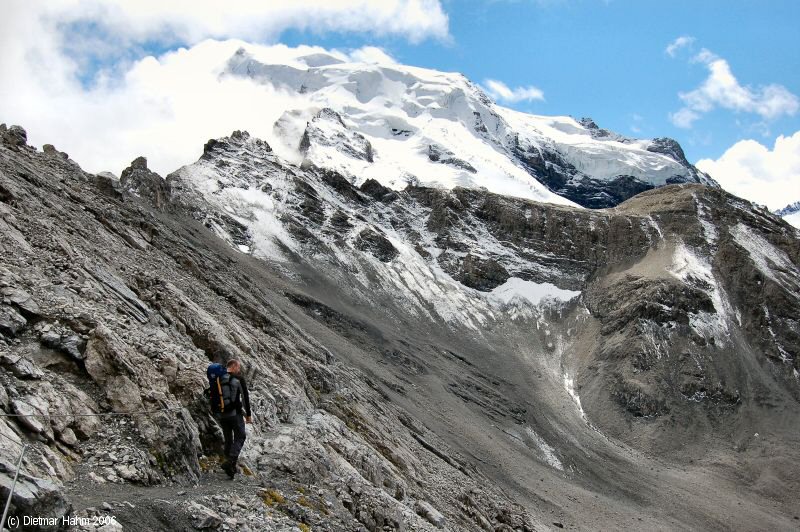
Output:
x,y
108,184
68,436
51,150
14,136
204,518
80,403
33,496
71,344
9,436
127,472
22,299
11,321
31,414
430,513
21,367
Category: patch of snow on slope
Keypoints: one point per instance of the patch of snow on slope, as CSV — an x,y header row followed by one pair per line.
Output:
x,y
569,385
548,451
793,219
409,281
429,285
256,209
785,356
652,223
516,290
709,229
696,271
245,202
769,260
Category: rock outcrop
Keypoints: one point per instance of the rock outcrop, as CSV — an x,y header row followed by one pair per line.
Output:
x,y
141,181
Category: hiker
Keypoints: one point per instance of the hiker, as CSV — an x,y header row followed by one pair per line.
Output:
x,y
231,404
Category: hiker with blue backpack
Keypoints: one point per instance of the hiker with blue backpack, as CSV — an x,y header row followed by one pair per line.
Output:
x,y
230,403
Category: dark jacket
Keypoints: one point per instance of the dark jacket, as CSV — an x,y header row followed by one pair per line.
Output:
x,y
241,397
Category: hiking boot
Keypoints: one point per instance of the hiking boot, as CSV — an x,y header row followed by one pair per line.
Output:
x,y
230,468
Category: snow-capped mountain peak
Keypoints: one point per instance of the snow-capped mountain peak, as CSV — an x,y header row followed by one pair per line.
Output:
x,y
400,124
792,208
791,213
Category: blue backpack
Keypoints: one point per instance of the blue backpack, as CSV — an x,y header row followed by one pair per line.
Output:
x,y
219,388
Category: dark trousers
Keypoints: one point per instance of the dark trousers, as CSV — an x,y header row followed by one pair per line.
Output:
x,y
234,433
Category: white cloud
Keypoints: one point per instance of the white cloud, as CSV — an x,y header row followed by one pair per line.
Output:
x,y
722,90
705,56
681,42
499,91
166,107
371,54
190,21
684,118
751,170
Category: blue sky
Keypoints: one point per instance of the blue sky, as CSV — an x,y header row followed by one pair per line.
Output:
x,y
607,59
107,80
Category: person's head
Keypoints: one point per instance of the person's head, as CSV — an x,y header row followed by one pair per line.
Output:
x,y
234,367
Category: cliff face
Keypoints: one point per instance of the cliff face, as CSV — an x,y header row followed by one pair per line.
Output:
x,y
417,359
